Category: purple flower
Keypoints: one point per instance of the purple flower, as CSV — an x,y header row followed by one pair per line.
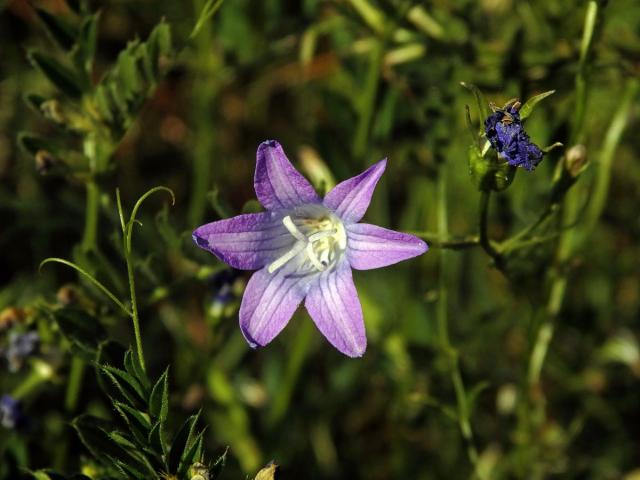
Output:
x,y
507,136
304,248
11,416
21,346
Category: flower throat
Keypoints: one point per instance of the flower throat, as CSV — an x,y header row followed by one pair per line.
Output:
x,y
320,240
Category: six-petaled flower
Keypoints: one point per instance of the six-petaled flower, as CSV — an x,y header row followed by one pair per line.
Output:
x,y
506,134
304,248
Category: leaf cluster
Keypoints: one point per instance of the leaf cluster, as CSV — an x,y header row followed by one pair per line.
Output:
x,y
97,113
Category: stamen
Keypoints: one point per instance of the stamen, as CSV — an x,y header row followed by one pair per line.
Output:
x,y
293,230
308,244
280,262
312,256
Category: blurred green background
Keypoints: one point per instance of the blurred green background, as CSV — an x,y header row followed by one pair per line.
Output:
x,y
342,84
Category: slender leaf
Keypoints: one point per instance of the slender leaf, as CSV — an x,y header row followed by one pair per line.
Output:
x,y
133,368
180,443
63,33
159,400
530,104
62,77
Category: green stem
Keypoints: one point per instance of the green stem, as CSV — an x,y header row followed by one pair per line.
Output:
x,y
368,100
204,90
134,309
590,21
451,354
74,383
483,226
435,241
90,236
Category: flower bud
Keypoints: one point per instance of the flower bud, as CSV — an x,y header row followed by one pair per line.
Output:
x,y
9,317
576,160
45,162
198,471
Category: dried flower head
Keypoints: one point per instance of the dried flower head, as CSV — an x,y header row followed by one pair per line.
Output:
x,y
506,134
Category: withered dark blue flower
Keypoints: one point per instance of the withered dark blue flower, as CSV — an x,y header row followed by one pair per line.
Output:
x,y
506,134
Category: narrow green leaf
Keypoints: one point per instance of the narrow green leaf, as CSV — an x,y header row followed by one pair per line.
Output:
x,y
137,422
130,381
530,104
210,8
180,443
133,368
34,101
159,400
62,77
121,440
124,384
159,44
63,33
86,46
78,6
32,143
128,74
191,454
219,464
156,441
93,434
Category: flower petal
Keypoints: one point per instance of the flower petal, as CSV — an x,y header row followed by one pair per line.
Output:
x,y
370,246
278,184
246,242
268,303
350,199
335,308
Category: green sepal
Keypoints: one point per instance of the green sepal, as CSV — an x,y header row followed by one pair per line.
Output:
x,y
530,104
489,172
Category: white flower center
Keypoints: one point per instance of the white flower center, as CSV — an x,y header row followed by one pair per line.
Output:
x,y
320,240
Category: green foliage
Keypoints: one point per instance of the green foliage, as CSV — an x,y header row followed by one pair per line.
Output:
x,y
508,351
139,449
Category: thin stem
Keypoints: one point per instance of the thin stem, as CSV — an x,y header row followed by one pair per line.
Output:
x,y
134,309
74,382
485,243
90,277
90,236
464,422
368,99
435,241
